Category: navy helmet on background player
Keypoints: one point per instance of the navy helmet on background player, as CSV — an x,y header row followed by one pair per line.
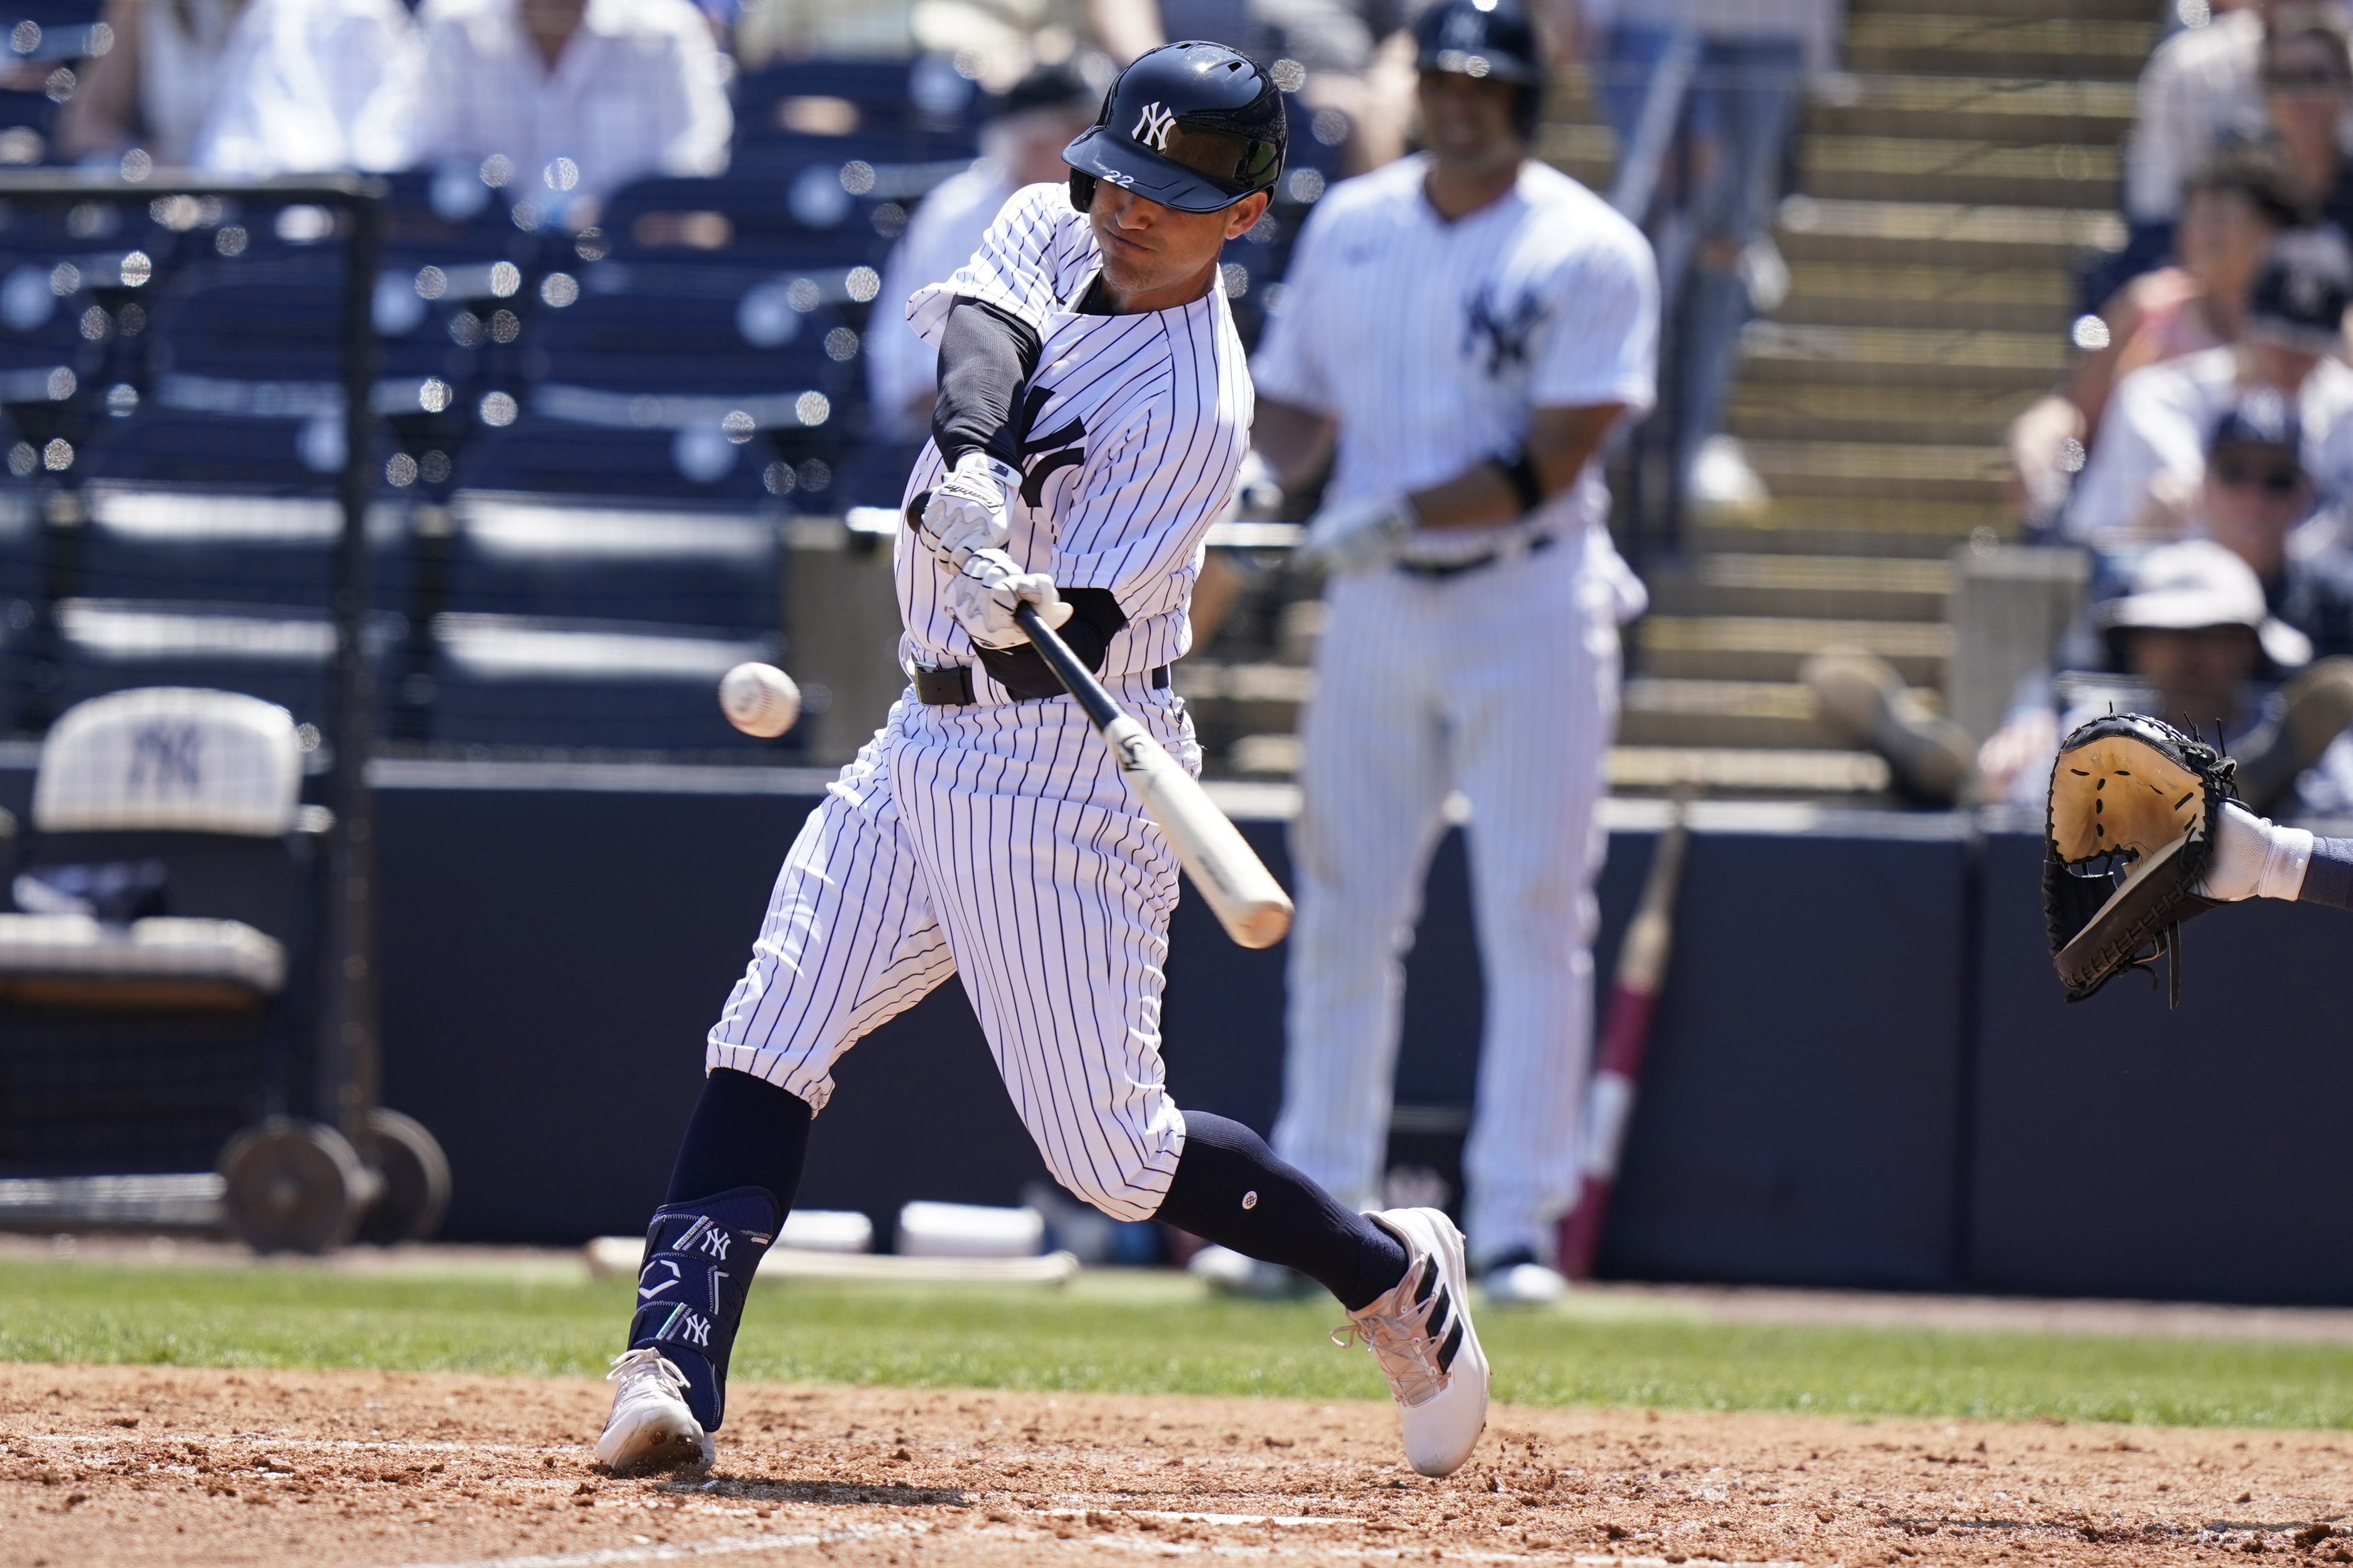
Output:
x,y
1193,126
1493,39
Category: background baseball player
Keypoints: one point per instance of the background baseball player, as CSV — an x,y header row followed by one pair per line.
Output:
x,y
1468,325
1093,407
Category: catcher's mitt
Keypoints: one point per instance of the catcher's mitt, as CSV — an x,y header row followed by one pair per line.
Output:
x,y
2130,831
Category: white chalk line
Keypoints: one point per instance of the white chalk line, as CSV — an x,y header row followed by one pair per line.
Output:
x,y
668,1551
734,1545
256,1440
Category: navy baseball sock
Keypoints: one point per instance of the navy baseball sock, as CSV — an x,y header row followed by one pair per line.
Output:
x,y
738,1168
1230,1189
745,1132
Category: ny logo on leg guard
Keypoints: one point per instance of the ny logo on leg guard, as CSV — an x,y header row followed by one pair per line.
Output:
x,y
699,1263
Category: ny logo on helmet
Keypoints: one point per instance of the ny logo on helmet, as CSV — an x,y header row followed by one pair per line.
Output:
x,y
1153,126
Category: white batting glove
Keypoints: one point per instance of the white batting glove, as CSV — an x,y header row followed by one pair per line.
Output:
x,y
968,510
2254,858
988,587
1358,535
1258,494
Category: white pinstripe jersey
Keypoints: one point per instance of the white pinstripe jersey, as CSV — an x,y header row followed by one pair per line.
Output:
x,y
1132,430
1432,342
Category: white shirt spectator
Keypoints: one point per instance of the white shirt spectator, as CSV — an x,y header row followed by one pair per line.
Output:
x,y
295,80
2198,85
638,90
1546,299
1815,23
2152,443
941,237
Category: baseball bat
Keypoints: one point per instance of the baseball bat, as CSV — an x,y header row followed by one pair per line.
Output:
x,y
1625,1040
1250,903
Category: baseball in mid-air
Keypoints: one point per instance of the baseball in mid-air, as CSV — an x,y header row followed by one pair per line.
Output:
x,y
759,699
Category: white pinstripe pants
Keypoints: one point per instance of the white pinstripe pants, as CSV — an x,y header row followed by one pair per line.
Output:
x,y
998,843
1502,683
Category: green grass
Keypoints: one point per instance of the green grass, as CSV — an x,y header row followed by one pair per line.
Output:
x,y
1151,1334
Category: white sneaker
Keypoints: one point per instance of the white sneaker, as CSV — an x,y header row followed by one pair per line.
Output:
x,y
1421,1332
650,1427
1524,1285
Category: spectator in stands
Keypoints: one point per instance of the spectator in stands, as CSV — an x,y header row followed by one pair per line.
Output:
x,y
2193,642
2239,202
1004,36
2308,78
2151,451
1754,57
2254,502
2200,86
577,97
1357,57
296,79
152,89
1020,146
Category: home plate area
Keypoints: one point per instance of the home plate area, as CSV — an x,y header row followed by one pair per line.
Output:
x,y
152,1465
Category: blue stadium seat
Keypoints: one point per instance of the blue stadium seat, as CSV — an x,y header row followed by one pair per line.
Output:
x,y
926,108
512,682
712,568
776,215
237,548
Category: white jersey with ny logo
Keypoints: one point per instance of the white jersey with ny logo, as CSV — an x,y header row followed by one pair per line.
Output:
x,y
1431,342
1131,431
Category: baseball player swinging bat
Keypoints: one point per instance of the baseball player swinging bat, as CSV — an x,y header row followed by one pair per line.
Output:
x,y
1250,904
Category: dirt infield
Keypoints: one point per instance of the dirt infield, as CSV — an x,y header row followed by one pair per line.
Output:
x,y
101,1464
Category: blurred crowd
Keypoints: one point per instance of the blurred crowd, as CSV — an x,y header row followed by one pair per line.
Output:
x,y
2200,450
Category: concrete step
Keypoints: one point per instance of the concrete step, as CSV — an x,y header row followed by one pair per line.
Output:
x,y
2012,108
1783,586
1734,770
1850,525
1796,354
1926,168
1867,294
1818,527
1880,470
1586,152
1838,412
2010,46
1666,711
2134,11
1770,647
1243,699
1943,234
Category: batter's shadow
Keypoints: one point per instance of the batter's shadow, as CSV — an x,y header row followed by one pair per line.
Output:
x,y
837,1493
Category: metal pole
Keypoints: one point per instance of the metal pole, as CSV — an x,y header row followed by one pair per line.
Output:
x,y
348,1061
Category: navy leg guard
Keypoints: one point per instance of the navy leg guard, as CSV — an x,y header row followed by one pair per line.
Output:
x,y
700,1259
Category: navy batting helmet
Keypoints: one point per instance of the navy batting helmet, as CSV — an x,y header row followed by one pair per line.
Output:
x,y
1486,38
1192,126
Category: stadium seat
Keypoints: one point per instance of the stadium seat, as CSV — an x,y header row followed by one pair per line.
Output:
x,y
926,108
154,978
522,555
508,682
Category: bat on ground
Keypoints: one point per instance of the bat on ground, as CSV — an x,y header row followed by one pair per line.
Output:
x,y
1625,1040
1250,903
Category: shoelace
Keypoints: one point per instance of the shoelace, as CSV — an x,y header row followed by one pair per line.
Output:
x,y
646,1361
1407,1341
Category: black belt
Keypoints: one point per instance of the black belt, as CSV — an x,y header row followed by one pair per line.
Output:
x,y
1439,570
950,685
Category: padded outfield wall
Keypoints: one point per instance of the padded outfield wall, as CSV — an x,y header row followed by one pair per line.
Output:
x,y
1863,1073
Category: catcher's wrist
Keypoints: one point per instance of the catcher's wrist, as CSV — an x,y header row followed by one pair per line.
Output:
x,y
2284,866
